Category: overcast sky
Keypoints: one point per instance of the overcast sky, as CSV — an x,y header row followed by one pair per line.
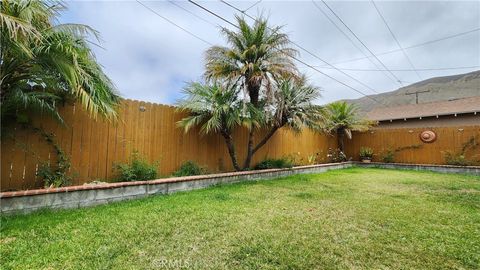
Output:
x,y
150,59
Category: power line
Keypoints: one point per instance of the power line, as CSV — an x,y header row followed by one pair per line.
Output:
x,y
409,70
193,13
396,40
173,23
213,13
295,58
366,47
307,51
254,4
411,46
350,39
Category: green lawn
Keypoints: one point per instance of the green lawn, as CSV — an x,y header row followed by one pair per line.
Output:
x,y
352,218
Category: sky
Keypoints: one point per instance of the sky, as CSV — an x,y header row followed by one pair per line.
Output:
x,y
150,59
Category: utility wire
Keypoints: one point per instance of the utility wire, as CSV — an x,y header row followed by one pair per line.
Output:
x,y
254,4
411,46
409,70
350,39
295,58
396,40
307,51
213,13
192,13
173,23
366,47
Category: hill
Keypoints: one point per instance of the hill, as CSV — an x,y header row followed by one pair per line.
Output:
x,y
440,89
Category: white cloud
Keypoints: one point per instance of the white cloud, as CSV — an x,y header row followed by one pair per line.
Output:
x,y
150,59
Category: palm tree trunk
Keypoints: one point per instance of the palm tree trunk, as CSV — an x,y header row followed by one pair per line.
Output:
x,y
248,159
341,136
265,139
231,149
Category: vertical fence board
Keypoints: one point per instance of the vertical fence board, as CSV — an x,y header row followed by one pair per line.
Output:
x,y
95,146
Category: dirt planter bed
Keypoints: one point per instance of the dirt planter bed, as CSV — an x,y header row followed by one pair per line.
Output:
x,y
90,195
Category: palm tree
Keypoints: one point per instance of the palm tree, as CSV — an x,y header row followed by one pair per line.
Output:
x,y
257,56
216,109
293,108
43,63
343,118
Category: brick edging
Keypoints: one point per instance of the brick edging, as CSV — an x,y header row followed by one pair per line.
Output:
x,y
32,192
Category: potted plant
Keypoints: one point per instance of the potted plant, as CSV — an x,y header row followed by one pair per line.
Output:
x,y
366,154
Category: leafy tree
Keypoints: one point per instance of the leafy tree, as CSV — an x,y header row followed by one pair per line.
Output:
x,y
44,63
256,58
343,118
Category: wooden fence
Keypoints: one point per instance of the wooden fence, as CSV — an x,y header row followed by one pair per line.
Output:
x,y
94,147
415,151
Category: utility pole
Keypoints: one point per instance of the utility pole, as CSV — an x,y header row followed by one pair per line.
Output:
x,y
416,94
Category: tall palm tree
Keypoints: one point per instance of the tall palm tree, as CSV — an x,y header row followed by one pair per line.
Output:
x,y
257,56
43,63
216,109
343,118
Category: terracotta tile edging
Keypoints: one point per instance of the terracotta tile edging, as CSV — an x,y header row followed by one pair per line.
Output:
x,y
10,194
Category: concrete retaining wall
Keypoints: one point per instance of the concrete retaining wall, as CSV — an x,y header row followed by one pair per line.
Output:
x,y
90,195
475,170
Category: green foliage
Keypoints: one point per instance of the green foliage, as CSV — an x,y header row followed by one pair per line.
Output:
x,y
55,176
137,170
366,152
189,168
388,155
44,64
459,158
272,163
336,155
341,117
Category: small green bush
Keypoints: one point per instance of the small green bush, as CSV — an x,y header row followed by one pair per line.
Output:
x,y
388,156
54,177
138,170
190,168
271,163
366,152
458,160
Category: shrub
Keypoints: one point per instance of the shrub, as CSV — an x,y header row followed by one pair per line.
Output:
x,y
55,176
388,156
460,159
189,168
366,153
336,155
457,159
272,163
137,170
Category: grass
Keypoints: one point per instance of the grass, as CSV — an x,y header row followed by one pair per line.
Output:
x,y
352,218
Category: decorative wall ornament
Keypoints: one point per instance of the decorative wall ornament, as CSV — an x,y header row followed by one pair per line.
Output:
x,y
428,136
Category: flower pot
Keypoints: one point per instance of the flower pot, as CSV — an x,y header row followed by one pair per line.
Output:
x,y
366,160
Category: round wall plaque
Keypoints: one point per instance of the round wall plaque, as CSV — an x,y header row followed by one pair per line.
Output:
x,y
428,136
